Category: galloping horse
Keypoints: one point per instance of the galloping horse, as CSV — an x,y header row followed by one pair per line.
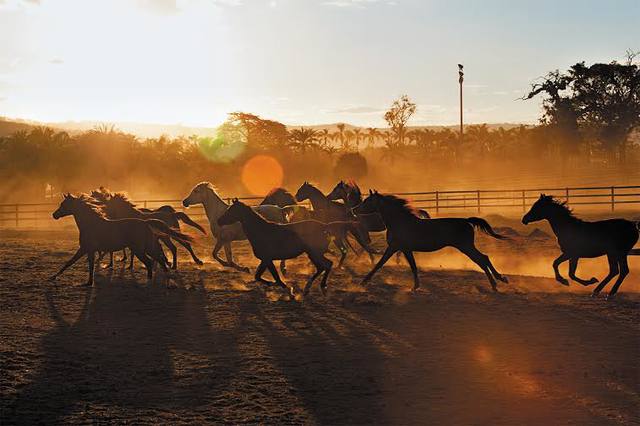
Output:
x,y
325,210
204,193
577,238
284,199
118,206
406,232
97,233
273,241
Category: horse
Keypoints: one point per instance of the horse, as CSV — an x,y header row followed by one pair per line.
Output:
x,y
406,232
577,238
274,241
97,233
118,206
204,193
279,197
284,199
325,210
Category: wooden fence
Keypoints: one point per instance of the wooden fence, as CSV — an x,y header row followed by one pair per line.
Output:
x,y
602,198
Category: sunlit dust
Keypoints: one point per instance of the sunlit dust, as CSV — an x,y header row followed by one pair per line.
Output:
x,y
262,173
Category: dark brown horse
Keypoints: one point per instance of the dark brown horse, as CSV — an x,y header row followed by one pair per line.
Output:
x,y
118,206
577,238
325,210
99,234
279,197
406,232
273,241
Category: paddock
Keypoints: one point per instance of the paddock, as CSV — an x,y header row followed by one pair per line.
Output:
x,y
210,345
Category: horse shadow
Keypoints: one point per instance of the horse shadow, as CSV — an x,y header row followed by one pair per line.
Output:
x,y
121,353
332,359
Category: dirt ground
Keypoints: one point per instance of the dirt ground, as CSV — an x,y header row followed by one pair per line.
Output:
x,y
209,345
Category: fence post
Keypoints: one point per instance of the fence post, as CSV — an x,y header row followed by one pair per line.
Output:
x,y
478,194
17,220
524,203
566,191
613,200
437,203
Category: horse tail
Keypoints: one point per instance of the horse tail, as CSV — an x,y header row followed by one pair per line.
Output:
x,y
160,228
186,219
484,226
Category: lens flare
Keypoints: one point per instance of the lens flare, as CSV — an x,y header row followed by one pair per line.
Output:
x,y
262,173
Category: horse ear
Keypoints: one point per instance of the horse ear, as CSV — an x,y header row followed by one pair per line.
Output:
x,y
235,200
370,191
375,191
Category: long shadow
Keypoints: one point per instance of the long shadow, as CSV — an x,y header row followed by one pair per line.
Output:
x,y
333,365
121,353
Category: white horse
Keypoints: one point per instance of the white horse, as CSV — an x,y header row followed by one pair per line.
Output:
x,y
204,193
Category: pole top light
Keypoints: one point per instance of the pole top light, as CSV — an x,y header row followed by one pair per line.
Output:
x,y
460,73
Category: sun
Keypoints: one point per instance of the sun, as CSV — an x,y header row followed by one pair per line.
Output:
x,y
262,173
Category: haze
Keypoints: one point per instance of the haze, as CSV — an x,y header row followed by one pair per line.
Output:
x,y
299,62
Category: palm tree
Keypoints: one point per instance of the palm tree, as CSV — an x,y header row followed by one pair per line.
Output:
x,y
348,136
356,135
340,127
372,135
303,139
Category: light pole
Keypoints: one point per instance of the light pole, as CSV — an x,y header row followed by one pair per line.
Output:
x,y
460,80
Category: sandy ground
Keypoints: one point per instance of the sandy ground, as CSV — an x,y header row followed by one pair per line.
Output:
x,y
209,345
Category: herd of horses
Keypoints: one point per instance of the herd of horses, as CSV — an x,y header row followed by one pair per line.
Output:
x,y
281,228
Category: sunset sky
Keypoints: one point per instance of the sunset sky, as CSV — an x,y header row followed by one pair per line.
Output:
x,y
296,61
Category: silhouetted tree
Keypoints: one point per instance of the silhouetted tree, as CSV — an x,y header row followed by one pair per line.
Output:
x,y
397,116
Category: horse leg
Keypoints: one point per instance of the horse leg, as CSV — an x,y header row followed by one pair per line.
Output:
x,y
274,272
110,265
414,268
385,256
79,253
91,257
124,255
174,251
364,245
573,265
130,259
283,267
482,261
190,250
624,271
216,249
340,243
259,271
322,264
613,271
148,262
556,263
227,250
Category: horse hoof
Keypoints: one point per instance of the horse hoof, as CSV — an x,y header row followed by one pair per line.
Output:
x,y
503,279
324,290
199,262
594,294
53,278
564,282
610,297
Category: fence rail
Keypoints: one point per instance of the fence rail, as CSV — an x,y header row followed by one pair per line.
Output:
x,y
601,198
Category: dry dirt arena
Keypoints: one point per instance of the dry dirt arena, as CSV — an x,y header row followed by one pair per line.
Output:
x,y
209,345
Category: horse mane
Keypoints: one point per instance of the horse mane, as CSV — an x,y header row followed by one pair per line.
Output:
x,y
402,205
210,186
92,205
122,198
560,206
354,189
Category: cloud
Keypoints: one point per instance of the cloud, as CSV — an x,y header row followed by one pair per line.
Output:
x,y
170,7
56,61
355,110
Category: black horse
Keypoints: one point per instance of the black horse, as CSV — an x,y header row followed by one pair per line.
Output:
x,y
406,232
577,238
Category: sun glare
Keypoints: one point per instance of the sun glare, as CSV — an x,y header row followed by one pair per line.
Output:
x,y
262,173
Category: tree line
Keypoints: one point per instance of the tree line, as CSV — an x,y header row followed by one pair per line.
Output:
x,y
591,116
